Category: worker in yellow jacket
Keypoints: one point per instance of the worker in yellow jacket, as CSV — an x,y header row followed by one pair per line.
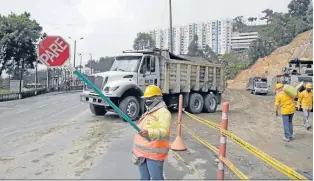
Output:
x,y
155,124
287,110
305,101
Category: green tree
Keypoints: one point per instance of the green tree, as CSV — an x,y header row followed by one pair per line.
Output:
x,y
209,54
143,41
193,47
18,35
238,24
105,63
298,8
268,15
232,70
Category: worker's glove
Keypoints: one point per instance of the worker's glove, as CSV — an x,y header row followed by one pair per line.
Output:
x,y
276,112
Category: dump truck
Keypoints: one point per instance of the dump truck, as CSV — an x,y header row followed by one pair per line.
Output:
x,y
200,82
257,85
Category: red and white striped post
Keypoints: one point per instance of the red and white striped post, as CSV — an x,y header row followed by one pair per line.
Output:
x,y
178,144
223,140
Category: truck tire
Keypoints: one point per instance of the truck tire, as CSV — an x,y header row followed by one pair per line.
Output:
x,y
97,110
196,103
210,103
131,107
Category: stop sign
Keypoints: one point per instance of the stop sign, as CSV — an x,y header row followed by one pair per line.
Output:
x,y
54,51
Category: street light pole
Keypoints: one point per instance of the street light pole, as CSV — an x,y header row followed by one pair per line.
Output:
x,y
171,35
91,59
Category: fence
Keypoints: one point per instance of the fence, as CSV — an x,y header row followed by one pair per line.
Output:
x,y
221,152
6,96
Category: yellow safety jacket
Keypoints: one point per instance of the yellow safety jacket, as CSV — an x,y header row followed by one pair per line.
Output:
x,y
286,102
305,100
157,123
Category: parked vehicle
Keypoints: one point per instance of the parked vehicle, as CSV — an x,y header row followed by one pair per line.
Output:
x,y
257,85
200,83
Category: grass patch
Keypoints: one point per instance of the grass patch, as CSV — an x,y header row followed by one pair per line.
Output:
x,y
4,91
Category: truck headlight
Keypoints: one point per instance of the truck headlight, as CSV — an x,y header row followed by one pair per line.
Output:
x,y
114,88
107,89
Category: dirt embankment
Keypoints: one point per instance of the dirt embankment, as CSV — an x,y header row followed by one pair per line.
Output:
x,y
272,65
252,119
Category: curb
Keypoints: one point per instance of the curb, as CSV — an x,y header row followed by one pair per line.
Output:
x,y
67,92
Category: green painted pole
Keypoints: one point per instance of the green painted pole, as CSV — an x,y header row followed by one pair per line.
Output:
x,y
109,102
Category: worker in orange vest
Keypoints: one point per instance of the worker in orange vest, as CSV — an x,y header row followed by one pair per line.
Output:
x,y
155,124
287,111
305,101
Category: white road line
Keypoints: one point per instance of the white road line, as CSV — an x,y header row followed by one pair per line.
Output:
x,y
55,102
64,100
22,111
42,105
5,108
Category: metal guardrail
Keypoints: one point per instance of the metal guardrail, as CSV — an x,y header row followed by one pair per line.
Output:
x,y
31,93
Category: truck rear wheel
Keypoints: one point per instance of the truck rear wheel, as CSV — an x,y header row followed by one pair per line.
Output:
x,y
97,110
131,107
210,103
196,103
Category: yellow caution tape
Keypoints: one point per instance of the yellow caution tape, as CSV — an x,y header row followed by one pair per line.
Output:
x,y
214,149
250,148
180,158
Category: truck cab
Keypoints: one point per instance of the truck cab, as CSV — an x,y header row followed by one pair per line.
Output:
x,y
258,85
133,71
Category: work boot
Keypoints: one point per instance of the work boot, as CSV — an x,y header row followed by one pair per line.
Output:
x,y
286,139
292,138
308,127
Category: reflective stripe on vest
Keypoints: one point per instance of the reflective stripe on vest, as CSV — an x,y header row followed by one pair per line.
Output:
x,y
152,150
165,138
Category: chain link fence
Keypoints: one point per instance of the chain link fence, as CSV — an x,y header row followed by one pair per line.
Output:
x,y
51,80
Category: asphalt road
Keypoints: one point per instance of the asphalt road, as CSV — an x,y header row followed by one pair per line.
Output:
x,y
56,137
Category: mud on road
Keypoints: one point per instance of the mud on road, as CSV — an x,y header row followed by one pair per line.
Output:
x,y
251,118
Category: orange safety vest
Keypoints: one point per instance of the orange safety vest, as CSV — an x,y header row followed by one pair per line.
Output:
x,y
157,149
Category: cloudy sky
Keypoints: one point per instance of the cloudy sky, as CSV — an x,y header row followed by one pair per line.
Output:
x,y
110,26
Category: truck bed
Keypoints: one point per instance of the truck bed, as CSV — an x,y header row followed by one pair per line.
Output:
x,y
185,76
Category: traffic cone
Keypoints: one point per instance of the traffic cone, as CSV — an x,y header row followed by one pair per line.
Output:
x,y
178,144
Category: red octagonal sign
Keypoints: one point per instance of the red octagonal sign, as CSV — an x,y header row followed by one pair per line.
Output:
x,y
54,51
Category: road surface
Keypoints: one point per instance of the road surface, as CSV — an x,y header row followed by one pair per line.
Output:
x,y
56,137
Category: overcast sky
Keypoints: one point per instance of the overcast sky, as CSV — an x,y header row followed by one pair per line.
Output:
x,y
110,26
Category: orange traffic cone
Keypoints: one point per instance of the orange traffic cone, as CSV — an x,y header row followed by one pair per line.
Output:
x,y
178,144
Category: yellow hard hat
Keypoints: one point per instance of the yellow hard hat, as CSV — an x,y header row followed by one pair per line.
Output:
x,y
279,85
308,86
152,91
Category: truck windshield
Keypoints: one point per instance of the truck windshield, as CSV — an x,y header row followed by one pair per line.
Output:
x,y
261,85
126,63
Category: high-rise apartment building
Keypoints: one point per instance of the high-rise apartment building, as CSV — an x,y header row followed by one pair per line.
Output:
x,y
216,34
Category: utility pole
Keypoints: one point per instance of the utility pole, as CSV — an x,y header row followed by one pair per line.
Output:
x,y
81,64
74,53
91,59
171,35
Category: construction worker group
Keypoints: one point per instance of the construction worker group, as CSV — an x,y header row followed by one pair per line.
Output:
x,y
149,156
288,108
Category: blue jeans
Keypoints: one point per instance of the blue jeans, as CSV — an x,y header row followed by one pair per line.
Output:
x,y
287,125
152,169
306,113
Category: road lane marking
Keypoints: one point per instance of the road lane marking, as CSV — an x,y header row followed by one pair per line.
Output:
x,y
22,111
42,105
5,108
55,102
